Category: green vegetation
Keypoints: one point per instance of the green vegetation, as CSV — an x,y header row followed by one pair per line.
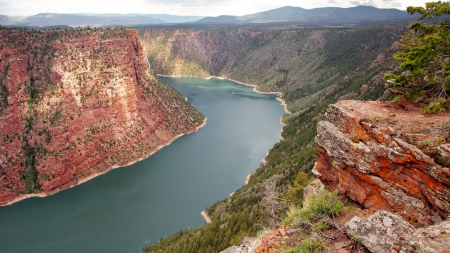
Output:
x,y
3,90
424,59
313,220
323,205
294,193
30,176
309,245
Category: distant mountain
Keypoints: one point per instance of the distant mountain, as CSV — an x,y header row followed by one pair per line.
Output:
x,y
318,16
51,19
6,20
82,19
175,19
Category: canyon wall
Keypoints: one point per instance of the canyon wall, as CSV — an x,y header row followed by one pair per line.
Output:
x,y
75,104
387,156
305,64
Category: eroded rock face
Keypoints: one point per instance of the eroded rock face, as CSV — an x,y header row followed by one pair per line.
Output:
x,y
387,156
75,104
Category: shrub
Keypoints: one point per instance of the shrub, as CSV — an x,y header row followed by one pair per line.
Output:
x,y
309,245
295,191
292,214
322,204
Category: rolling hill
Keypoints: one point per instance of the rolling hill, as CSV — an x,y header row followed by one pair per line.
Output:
x,y
317,16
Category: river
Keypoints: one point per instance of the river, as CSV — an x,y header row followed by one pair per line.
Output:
x,y
134,206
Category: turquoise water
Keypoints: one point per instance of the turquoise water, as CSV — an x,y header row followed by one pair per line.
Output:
x,y
131,207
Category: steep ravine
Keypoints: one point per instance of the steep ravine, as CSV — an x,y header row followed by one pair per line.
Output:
x,y
75,104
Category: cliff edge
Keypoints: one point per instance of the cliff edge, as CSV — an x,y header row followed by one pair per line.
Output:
x,y
387,156
75,104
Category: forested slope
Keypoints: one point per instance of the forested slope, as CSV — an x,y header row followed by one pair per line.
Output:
x,y
313,69
300,62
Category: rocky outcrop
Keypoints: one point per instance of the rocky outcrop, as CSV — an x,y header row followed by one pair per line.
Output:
x,y
385,232
380,232
75,104
431,239
271,241
387,156
248,245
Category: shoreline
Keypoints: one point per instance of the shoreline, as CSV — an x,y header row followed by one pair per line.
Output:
x,y
247,179
206,217
264,159
92,176
279,93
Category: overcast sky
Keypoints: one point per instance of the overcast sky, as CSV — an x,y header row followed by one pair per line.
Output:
x,y
183,7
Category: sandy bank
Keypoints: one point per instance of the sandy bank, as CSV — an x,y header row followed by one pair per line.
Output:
x,y
85,179
247,179
205,217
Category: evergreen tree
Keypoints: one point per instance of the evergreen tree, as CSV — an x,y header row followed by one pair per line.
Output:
x,y
425,57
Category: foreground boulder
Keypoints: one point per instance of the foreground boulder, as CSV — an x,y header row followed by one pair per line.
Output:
x,y
385,232
380,232
387,156
248,245
434,238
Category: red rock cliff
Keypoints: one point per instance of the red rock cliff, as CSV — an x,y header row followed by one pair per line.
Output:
x,y
75,104
387,156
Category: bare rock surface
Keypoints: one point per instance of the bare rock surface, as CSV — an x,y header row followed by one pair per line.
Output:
x,y
249,244
380,232
432,239
387,156
385,232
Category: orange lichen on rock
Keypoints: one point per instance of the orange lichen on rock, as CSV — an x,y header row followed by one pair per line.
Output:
x,y
388,168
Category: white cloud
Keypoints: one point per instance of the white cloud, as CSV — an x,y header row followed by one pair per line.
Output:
x,y
183,7
369,3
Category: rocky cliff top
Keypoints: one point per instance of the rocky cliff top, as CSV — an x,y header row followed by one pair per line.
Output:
x,y
387,156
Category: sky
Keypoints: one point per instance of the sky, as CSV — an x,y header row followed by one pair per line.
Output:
x,y
183,7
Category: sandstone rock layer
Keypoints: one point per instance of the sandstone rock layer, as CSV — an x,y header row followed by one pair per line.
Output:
x,y
387,156
75,104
